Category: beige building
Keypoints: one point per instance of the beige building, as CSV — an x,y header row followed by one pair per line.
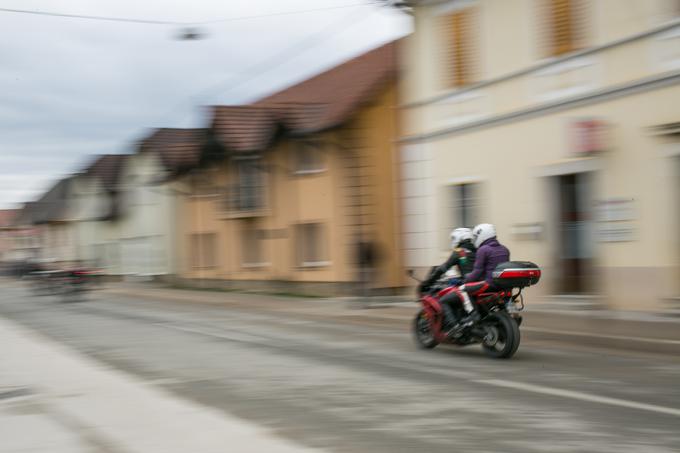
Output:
x,y
559,121
289,185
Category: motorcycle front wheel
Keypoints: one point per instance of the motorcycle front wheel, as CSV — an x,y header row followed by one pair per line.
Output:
x,y
422,331
502,337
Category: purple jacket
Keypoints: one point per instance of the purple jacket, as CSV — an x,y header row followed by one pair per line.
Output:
x,y
489,255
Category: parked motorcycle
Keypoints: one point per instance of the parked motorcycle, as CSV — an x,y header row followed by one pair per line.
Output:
x,y
43,282
77,283
498,327
71,285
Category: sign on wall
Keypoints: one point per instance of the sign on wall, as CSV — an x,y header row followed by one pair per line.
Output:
x,y
527,231
615,220
589,136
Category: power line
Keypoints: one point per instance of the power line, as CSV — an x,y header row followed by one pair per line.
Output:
x,y
308,42
80,16
286,13
263,66
178,23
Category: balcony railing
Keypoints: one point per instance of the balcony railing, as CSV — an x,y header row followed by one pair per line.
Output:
x,y
245,201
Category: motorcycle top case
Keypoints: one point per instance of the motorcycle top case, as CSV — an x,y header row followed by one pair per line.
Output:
x,y
516,274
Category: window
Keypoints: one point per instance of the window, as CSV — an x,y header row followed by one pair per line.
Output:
x,y
203,250
250,181
308,157
459,49
311,248
464,200
563,26
248,190
461,203
251,246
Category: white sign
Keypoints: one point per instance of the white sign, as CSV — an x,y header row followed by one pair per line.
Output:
x,y
615,218
615,210
616,232
527,231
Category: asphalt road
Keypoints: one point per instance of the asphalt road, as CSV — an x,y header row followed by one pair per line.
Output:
x,y
364,387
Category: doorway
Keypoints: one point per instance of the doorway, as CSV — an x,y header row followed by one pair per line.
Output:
x,y
575,249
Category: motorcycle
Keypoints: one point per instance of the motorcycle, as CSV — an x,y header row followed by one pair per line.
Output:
x,y
43,282
76,283
497,330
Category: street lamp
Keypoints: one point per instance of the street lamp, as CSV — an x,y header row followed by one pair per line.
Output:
x,y
190,34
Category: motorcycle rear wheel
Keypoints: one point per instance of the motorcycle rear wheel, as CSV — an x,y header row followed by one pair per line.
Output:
x,y
507,335
422,331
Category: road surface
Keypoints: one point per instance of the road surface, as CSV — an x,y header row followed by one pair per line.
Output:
x,y
358,384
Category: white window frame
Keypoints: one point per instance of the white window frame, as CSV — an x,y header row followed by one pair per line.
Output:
x,y
318,148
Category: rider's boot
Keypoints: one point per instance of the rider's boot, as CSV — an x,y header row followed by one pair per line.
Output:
x,y
473,315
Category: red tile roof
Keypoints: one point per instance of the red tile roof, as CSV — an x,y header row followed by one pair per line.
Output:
x,y
319,103
52,206
177,148
108,169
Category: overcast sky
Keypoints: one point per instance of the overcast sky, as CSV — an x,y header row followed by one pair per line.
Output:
x,y
71,87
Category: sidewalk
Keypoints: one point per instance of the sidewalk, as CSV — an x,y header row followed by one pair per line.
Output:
x,y
635,331
53,399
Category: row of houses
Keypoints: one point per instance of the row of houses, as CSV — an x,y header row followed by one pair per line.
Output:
x,y
557,120
283,191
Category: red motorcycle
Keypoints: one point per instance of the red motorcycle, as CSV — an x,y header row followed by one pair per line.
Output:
x,y
498,327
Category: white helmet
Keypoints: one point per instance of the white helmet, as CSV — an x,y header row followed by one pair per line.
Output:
x,y
482,232
459,235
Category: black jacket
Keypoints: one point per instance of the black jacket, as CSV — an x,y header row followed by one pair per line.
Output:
x,y
462,256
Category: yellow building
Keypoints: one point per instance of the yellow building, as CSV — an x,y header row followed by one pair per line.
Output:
x,y
290,184
558,121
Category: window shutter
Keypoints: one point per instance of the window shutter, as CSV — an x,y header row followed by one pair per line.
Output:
x,y
580,18
459,51
562,26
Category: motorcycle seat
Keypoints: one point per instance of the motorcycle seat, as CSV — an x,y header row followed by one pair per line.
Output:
x,y
475,288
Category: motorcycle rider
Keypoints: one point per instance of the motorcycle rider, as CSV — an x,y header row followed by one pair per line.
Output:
x,y
490,253
462,258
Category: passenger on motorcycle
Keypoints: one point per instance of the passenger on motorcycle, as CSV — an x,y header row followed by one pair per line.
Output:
x,y
462,258
490,253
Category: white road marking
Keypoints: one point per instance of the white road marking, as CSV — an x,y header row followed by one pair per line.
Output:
x,y
533,388
580,396
232,336
597,335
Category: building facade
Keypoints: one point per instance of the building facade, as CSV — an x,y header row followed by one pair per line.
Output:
x,y
146,224
19,240
95,203
7,229
557,120
295,182
53,214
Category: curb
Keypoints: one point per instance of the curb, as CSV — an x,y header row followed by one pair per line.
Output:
x,y
633,344
645,335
